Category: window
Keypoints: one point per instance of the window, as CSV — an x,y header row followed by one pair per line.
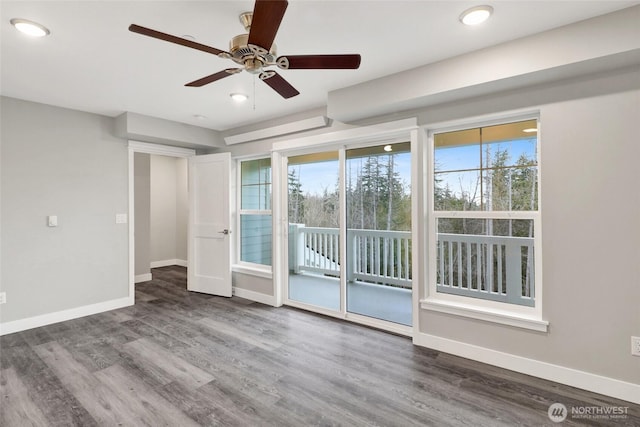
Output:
x,y
485,215
255,212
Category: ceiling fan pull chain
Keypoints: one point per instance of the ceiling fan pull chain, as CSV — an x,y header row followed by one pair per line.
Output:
x,y
254,92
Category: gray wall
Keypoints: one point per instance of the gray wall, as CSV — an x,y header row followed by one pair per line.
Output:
x,y
142,212
589,204
253,283
66,163
168,218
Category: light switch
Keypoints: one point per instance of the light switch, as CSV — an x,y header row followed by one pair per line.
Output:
x,y
121,218
52,220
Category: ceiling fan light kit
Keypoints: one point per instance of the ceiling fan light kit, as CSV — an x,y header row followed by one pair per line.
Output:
x,y
238,97
255,50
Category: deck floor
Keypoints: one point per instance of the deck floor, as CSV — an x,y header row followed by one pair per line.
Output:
x,y
381,302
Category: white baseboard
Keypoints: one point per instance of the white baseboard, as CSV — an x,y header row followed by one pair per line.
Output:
x,y
142,278
61,316
168,262
560,374
255,296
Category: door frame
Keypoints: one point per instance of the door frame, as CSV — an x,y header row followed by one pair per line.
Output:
x,y
147,148
406,129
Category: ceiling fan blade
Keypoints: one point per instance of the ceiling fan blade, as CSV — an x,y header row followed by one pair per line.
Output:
x,y
173,39
279,84
319,62
267,15
213,77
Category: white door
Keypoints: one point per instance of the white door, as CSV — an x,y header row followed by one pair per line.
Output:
x,y
209,266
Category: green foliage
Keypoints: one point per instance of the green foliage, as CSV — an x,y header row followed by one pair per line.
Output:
x,y
296,198
503,185
377,198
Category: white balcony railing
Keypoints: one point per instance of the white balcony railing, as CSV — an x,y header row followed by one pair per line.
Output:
x,y
381,257
488,267
497,268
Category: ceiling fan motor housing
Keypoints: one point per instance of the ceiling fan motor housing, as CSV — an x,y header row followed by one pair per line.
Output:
x,y
249,55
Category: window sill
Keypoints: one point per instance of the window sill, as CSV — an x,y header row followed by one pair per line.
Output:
x,y
252,271
482,313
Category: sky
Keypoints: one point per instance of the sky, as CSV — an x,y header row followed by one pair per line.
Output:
x,y
462,160
316,177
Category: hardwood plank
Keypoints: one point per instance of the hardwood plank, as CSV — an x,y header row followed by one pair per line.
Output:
x,y
147,352
45,388
200,406
150,408
233,330
17,407
107,407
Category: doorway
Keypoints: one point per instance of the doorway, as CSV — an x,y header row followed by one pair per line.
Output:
x,y
161,208
167,236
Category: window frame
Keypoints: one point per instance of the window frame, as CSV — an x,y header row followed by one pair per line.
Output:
x,y
256,269
466,306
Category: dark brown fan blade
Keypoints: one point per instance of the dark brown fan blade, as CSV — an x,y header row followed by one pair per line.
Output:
x,y
267,15
173,39
213,77
279,84
336,62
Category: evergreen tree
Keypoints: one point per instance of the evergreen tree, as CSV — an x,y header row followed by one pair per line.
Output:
x,y
296,198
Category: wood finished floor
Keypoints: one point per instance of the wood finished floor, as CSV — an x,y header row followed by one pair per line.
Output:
x,y
183,359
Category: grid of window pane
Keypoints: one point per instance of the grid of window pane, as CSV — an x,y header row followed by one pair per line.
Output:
x,y
255,211
493,168
255,240
256,184
486,258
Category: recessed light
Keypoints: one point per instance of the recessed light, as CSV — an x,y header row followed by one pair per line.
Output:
x,y
530,130
30,28
188,37
388,148
199,116
239,97
476,15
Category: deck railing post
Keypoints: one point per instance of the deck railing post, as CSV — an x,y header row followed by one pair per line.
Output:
x,y
296,247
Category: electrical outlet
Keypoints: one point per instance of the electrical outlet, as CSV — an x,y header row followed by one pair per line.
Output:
x,y
635,346
3,297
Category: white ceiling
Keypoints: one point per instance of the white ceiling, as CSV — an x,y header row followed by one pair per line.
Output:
x,y
91,62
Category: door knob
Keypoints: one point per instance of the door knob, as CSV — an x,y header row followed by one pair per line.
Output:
x,y
225,231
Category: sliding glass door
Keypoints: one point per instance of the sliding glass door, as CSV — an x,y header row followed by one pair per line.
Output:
x,y
378,196
367,215
314,230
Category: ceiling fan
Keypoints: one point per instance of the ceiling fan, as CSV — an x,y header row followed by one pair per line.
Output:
x,y
255,50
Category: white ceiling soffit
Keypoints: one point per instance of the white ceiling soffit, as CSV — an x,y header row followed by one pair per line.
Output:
x,y
91,62
549,56
285,129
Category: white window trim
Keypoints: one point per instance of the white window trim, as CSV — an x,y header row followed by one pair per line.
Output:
x,y
239,266
252,269
468,307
